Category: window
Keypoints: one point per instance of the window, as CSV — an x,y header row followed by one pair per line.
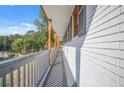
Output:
x,y
68,34
75,21
82,20
65,37
80,6
70,29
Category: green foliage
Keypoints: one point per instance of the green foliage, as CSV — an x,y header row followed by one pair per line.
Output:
x,y
42,22
42,15
17,45
5,43
61,42
41,38
30,42
42,33
41,25
52,38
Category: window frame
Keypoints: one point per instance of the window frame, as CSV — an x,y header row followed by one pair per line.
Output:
x,y
83,30
70,29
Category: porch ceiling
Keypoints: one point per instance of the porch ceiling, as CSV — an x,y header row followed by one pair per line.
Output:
x,y
60,16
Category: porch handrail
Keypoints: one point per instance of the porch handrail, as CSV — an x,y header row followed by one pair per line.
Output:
x,y
29,69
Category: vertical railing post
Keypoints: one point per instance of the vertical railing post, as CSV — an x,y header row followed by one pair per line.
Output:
x,y
28,74
0,82
32,73
3,80
35,72
38,66
39,71
11,79
24,80
18,77
49,56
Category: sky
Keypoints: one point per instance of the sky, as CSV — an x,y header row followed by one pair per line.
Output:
x,y
18,19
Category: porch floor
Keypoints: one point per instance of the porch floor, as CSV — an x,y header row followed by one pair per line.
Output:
x,y
57,75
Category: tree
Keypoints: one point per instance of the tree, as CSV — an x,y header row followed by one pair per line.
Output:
x,y
30,33
42,22
42,25
30,42
1,43
41,38
17,45
5,43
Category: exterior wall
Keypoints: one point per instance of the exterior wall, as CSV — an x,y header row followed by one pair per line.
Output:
x,y
69,74
97,58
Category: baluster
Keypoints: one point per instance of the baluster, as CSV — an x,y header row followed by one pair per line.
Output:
x,y
28,74
35,73
41,67
11,79
0,82
3,80
38,71
32,73
18,77
24,80
41,73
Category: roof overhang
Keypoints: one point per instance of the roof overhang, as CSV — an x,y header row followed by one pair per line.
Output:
x,y
60,16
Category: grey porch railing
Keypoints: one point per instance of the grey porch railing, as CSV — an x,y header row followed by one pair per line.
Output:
x,y
26,71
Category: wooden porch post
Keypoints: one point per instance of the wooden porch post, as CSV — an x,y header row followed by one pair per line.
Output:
x,y
49,33
58,42
49,38
55,41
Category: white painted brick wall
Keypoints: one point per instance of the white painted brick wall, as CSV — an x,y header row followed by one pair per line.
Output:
x,y
101,49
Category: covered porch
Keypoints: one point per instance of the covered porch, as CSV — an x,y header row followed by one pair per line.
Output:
x,y
46,68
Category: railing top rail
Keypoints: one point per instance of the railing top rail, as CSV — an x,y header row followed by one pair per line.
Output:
x,y
22,57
